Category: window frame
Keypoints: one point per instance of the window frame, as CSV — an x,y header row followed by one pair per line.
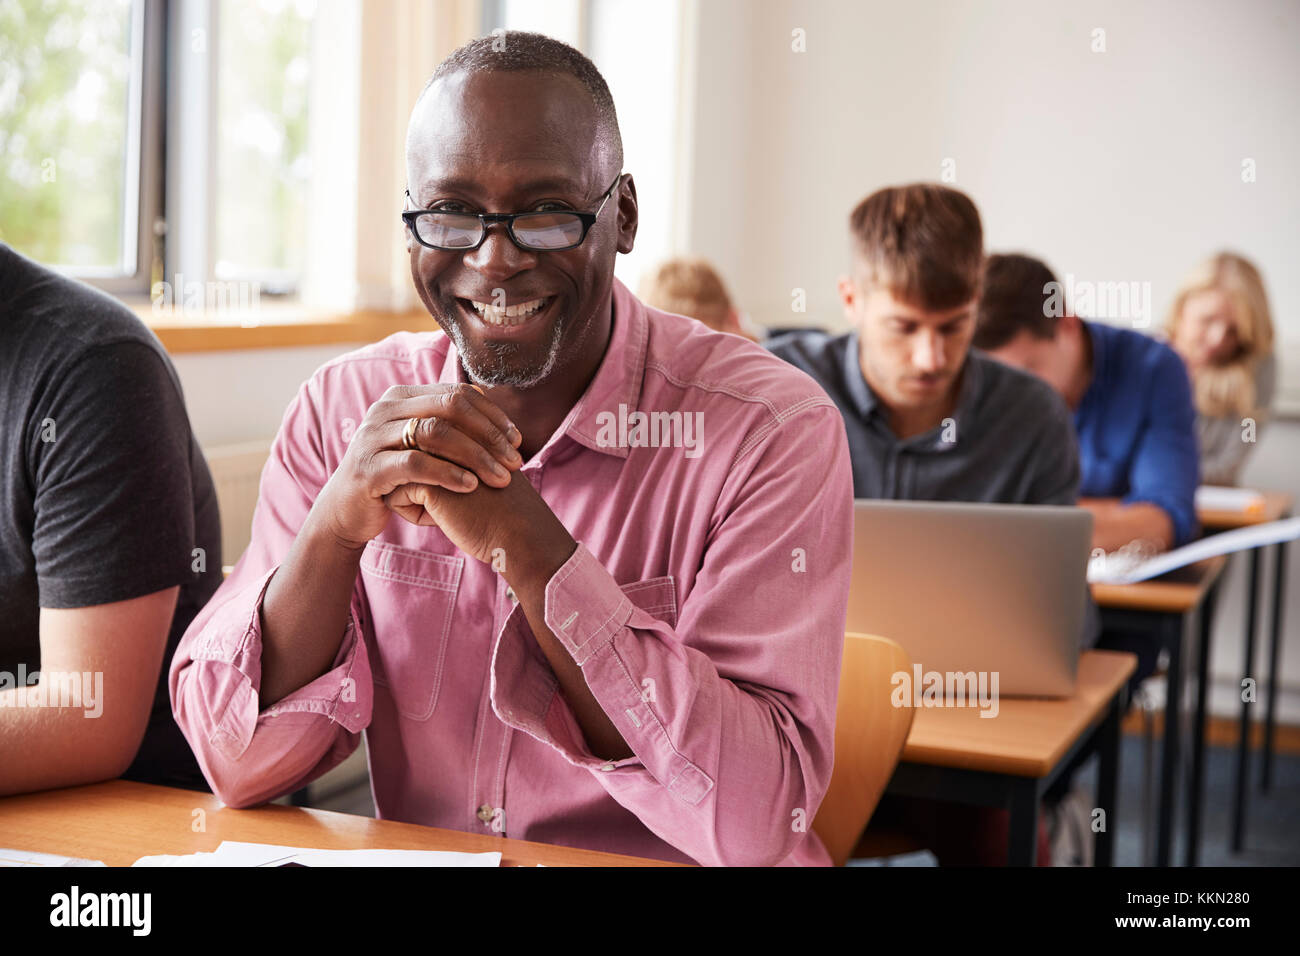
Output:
x,y
142,196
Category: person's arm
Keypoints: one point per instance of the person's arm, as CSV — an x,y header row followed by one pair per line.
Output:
x,y
84,720
1115,524
718,731
1160,505
108,452
271,684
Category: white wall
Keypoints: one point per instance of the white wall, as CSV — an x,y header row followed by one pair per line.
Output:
x,y
241,396
1122,165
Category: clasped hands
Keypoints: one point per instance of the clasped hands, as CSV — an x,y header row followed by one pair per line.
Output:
x,y
454,467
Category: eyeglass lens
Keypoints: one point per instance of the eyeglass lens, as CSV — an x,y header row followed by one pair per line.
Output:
x,y
543,230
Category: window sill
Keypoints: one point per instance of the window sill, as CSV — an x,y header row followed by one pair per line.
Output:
x,y
276,326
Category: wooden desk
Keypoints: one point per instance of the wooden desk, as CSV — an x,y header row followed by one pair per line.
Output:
x,y
952,753
119,821
1163,606
1277,505
1178,592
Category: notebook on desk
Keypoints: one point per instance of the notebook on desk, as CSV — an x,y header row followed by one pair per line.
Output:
x,y
996,589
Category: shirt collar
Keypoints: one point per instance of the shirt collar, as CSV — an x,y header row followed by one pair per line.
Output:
x,y
855,383
619,377
617,380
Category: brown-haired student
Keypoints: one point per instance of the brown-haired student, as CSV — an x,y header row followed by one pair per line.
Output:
x,y
928,417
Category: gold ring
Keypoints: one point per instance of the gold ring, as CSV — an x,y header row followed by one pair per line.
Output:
x,y
408,434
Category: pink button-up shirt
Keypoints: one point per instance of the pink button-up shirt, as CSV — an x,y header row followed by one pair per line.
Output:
x,y
705,605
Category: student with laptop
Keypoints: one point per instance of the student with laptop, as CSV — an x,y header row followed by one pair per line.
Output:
x,y
930,419
927,417
1132,403
1133,411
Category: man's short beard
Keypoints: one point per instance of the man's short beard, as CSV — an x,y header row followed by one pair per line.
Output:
x,y
495,368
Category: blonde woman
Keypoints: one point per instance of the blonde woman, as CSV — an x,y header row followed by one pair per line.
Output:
x,y
1219,323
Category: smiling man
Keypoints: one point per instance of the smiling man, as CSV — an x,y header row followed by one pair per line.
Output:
x,y
545,633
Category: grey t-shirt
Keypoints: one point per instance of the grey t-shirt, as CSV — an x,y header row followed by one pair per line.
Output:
x,y
104,493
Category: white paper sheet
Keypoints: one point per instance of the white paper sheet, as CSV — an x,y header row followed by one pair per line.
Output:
x,y
1111,569
28,858
233,853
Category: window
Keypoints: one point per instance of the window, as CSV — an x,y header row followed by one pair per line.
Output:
x,y
80,182
263,165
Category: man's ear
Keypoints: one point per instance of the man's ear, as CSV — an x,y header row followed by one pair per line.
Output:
x,y
628,216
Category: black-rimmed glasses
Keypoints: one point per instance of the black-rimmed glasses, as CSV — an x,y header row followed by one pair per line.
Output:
x,y
534,231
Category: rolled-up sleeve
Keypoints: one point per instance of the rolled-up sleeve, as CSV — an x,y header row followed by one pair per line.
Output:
x,y
250,755
730,713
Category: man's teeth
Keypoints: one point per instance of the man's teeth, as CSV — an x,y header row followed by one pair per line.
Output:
x,y
511,315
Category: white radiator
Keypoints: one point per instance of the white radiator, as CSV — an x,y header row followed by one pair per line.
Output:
x,y
236,471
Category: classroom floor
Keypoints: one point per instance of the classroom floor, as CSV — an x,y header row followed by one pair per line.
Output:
x,y
1272,825
1272,819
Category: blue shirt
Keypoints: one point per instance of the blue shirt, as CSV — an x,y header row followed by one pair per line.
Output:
x,y
1137,426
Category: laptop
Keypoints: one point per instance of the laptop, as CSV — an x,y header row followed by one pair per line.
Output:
x,y
975,587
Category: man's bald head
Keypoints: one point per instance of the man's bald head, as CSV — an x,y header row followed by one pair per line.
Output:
x,y
517,51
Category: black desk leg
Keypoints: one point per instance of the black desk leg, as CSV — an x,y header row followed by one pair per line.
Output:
x,y
1108,782
1197,789
1172,625
1274,662
1243,737
1022,837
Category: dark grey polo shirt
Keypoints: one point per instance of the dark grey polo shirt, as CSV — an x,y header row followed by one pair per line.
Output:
x,y
1010,439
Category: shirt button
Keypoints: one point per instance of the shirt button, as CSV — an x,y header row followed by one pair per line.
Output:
x,y
485,813
510,594
607,767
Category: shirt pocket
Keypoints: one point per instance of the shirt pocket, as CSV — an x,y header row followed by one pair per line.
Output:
x,y
412,597
656,597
